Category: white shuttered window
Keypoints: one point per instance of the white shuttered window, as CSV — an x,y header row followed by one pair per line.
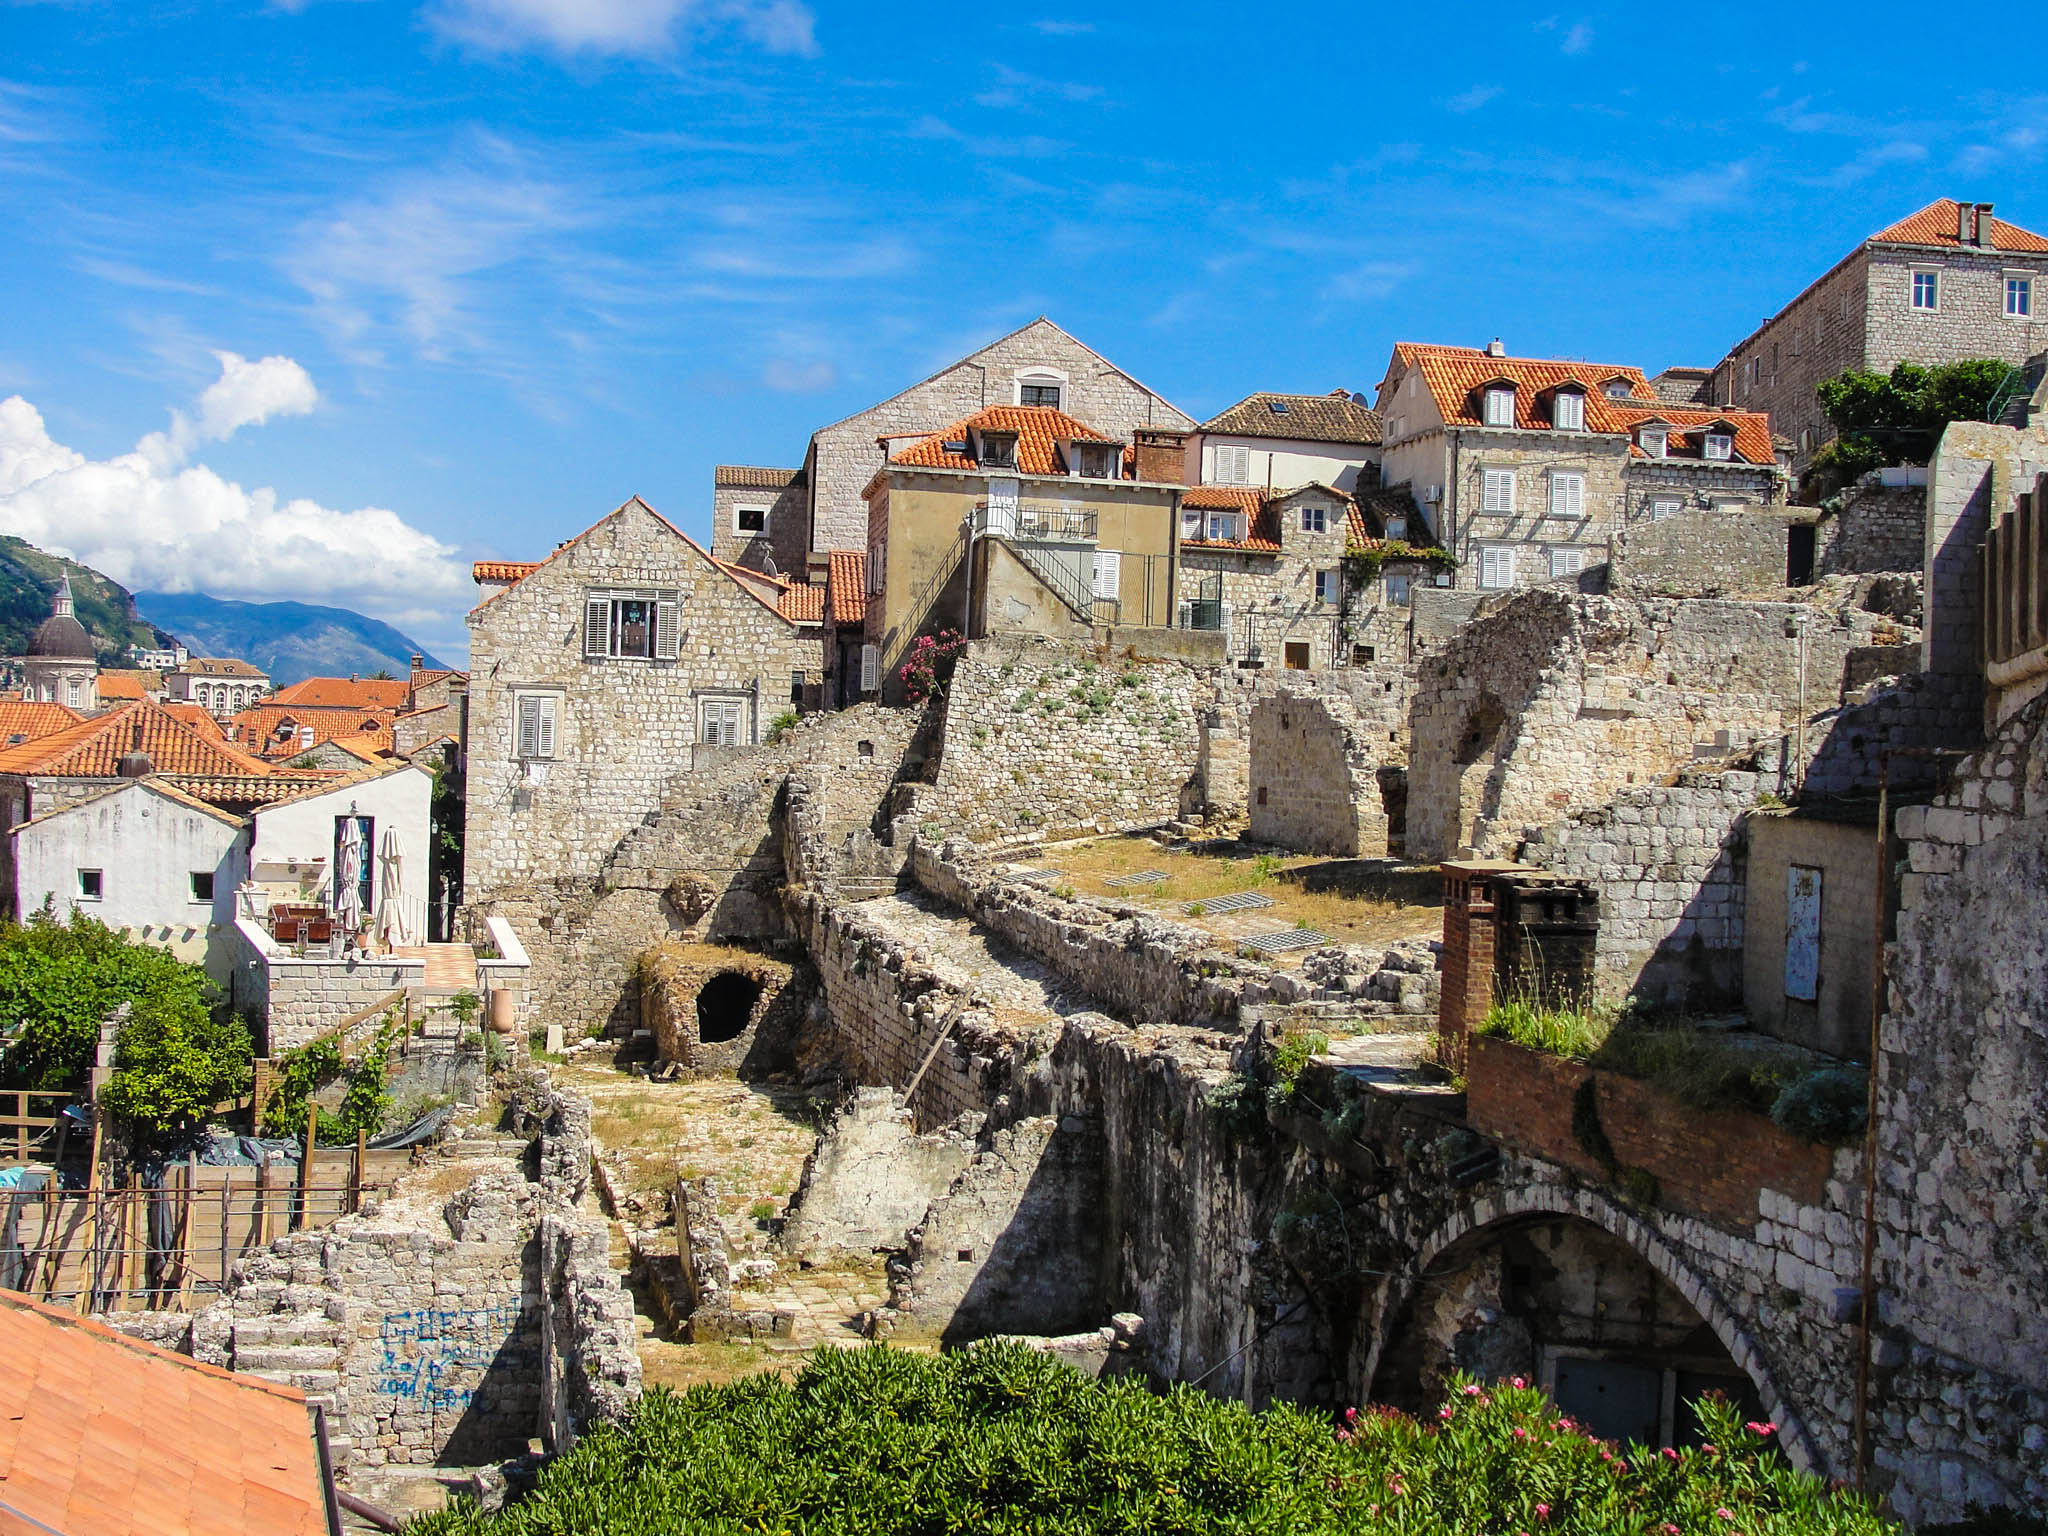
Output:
x,y
870,668
721,721
1499,491
640,625
1233,464
1497,566
536,724
1567,493
1109,566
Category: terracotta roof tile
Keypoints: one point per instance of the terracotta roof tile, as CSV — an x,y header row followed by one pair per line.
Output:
x,y
846,581
1039,429
250,789
93,748
1331,418
1453,376
1262,526
198,716
117,683
753,476
389,693
30,720
220,666
256,730
103,1433
802,605
502,570
1936,224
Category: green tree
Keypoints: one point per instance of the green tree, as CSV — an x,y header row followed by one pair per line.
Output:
x,y
170,1069
1897,418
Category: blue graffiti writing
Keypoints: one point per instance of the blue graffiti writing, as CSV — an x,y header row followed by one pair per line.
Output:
x,y
437,1357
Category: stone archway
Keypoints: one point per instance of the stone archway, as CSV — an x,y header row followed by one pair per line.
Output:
x,y
1477,760
1488,1223
725,1006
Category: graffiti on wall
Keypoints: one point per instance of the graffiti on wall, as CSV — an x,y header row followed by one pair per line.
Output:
x,y
437,1357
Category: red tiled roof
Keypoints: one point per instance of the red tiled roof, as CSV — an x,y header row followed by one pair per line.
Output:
x,y
29,720
220,666
1261,524
802,605
198,716
1039,429
249,789
105,1434
1453,376
345,693
255,730
117,683
502,570
847,581
752,476
93,748
1936,224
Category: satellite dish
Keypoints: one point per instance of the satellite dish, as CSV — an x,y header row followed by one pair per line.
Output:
x,y
768,565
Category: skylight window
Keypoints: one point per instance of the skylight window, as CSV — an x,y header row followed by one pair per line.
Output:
x,y
1277,407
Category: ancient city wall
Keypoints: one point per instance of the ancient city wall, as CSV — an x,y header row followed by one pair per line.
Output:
x,y
1876,527
1698,552
1314,777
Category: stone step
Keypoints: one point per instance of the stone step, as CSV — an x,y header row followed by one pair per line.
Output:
x,y
291,1328
286,1358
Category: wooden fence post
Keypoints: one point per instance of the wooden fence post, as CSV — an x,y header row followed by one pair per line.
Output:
x,y
355,1183
303,1207
92,1213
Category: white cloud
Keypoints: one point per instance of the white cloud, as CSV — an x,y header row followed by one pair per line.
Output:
x,y
1474,99
153,522
1064,28
799,378
644,28
1578,39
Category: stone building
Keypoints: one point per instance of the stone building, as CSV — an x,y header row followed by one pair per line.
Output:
x,y
1527,468
1301,579
221,685
1039,364
60,667
1278,441
760,518
1019,519
626,660
1946,283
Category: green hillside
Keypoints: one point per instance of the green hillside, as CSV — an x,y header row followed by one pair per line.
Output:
x,y
28,579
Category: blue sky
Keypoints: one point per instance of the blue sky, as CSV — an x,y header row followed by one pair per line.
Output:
x,y
427,280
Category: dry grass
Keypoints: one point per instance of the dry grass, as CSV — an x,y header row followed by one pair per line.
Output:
x,y
1201,876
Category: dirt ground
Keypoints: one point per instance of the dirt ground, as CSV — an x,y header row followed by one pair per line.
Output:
x,y
1196,874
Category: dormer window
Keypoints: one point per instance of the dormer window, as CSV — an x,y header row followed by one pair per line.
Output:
x,y
1041,386
1568,411
1397,528
1225,528
1719,445
1500,405
1618,389
1094,461
999,450
1654,441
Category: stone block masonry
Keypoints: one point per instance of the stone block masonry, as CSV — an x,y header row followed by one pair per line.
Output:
x,y
1314,777
1876,527
1700,552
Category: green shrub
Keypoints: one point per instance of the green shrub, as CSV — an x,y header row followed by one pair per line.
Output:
x,y
302,1073
999,1438
1830,1105
1573,1033
781,726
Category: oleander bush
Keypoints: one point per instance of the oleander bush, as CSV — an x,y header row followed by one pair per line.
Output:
x,y
998,1438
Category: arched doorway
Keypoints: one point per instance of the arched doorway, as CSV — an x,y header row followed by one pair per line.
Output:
x,y
725,1006
1574,1308
1478,771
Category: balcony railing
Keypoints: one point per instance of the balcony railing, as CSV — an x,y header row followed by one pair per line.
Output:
x,y
1047,522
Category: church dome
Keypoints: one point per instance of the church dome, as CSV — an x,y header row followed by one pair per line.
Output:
x,y
61,638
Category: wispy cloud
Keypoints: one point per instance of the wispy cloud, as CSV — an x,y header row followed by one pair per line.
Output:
x,y
1064,28
799,378
1577,38
1472,100
1873,160
1367,280
1030,146
1014,88
642,28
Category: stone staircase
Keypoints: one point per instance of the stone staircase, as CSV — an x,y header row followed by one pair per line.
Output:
x,y
292,1330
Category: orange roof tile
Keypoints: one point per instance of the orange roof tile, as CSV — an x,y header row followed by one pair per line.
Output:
x,y
1936,224
118,683
1453,376
29,720
93,748
256,731
387,693
846,579
198,716
502,570
103,1433
1262,526
1040,429
220,666
802,605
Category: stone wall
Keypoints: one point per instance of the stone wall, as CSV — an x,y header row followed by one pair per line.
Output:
x,y
298,998
1044,740
1976,465
749,1022
871,1178
1875,527
1669,863
1315,777
1699,552
1838,844
1961,1399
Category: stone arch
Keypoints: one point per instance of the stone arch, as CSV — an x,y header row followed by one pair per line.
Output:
x,y
1496,1214
725,1006
1479,763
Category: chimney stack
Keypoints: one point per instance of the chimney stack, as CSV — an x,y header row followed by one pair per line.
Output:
x,y
1495,349
1161,455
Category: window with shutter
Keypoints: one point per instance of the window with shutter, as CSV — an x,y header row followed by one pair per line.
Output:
x,y
1109,565
1497,566
536,725
1500,407
1567,562
668,628
1663,507
720,721
1568,412
1233,464
597,626
1499,493
1567,494
870,669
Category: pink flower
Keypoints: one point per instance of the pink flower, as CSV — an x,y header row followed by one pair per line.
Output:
x,y
1444,1412
1520,1382
1760,1427
1725,1514
1542,1511
1669,1454
1343,1434
1521,1434
1671,1530
1472,1389
1350,1415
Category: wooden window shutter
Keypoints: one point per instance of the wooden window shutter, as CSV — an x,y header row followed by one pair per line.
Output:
x,y
529,727
544,733
1108,572
597,624
668,626
870,668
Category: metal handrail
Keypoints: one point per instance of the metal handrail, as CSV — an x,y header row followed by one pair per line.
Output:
x,y
1048,521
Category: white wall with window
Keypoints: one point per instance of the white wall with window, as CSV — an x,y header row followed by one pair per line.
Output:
x,y
642,625
137,858
304,829
1282,463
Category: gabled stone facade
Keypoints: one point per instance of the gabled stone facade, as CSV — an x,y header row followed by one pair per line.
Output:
x,y
625,729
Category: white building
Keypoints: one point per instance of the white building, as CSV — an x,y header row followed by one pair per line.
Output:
x,y
295,845
59,667
1277,442
221,685
142,856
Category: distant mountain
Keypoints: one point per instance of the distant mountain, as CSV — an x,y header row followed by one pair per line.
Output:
x,y
290,641
28,578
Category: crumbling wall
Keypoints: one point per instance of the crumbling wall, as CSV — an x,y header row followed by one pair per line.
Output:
x,y
1962,1393
1699,552
1874,527
871,1178
716,1009
1047,739
1669,864
1314,778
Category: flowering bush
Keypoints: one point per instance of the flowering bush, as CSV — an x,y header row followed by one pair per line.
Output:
x,y
999,1438
930,655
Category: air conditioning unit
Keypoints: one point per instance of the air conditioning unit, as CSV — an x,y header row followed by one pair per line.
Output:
x,y
1433,494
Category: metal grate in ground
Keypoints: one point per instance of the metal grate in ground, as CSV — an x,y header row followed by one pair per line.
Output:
x,y
1236,901
1141,877
1286,939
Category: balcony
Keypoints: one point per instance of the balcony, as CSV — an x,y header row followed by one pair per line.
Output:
x,y
1042,522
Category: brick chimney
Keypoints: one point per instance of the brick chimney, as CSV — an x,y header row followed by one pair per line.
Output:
x,y
1973,223
1162,455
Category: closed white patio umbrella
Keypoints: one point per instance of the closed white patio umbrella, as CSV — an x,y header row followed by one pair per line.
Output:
x,y
348,878
390,889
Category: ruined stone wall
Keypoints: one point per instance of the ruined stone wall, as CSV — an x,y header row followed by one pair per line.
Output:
x,y
1875,528
1699,552
1962,1396
1669,863
1314,777
765,998
1043,739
